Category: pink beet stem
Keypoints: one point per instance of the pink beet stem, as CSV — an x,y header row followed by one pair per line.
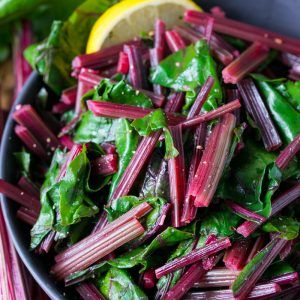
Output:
x,y
105,165
123,63
247,62
174,41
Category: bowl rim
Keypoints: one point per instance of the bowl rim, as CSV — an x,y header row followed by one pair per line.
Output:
x,y
31,261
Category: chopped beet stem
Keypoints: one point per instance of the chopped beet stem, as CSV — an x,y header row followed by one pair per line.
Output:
x,y
107,244
256,108
123,64
137,212
212,163
27,116
216,113
245,31
248,61
192,257
19,196
186,282
105,165
115,110
209,29
287,278
89,291
159,35
137,72
26,185
68,96
31,142
278,204
27,216
201,98
249,276
245,213
60,108
66,141
176,168
288,153
174,41
235,256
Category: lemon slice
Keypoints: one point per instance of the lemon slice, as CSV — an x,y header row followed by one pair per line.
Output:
x,y
129,18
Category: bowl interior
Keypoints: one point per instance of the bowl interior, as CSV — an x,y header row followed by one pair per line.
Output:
x,y
277,15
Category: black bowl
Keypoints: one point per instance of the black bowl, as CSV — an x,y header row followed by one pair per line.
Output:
x,y
277,15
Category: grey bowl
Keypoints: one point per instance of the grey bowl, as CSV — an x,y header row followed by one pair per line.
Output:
x,y
277,15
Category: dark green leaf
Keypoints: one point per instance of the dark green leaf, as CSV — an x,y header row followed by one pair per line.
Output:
x,y
286,226
285,116
252,179
46,219
293,88
23,159
152,122
52,58
188,69
94,129
118,285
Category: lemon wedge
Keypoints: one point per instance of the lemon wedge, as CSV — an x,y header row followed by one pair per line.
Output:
x,y
129,18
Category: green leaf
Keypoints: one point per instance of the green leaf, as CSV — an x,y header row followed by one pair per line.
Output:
x,y
121,92
171,151
126,144
74,203
23,159
46,219
52,58
293,88
94,129
252,179
220,223
152,122
117,284
187,70
286,226
285,115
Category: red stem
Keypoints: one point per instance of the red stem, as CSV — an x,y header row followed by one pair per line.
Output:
x,y
159,36
192,257
68,96
66,141
174,41
245,31
288,153
105,165
248,61
27,216
26,185
89,291
212,163
27,116
216,113
123,64
176,168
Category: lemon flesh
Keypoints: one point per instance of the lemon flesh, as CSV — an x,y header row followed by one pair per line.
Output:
x,y
129,18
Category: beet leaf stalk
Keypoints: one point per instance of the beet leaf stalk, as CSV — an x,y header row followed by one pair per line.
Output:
x,y
68,96
212,163
105,165
107,244
217,277
31,142
89,291
27,216
221,49
186,282
189,210
245,31
248,61
192,257
176,168
252,272
27,116
211,115
26,185
259,292
278,204
174,41
137,72
257,109
22,197
235,257
288,153
245,213
137,212
115,110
